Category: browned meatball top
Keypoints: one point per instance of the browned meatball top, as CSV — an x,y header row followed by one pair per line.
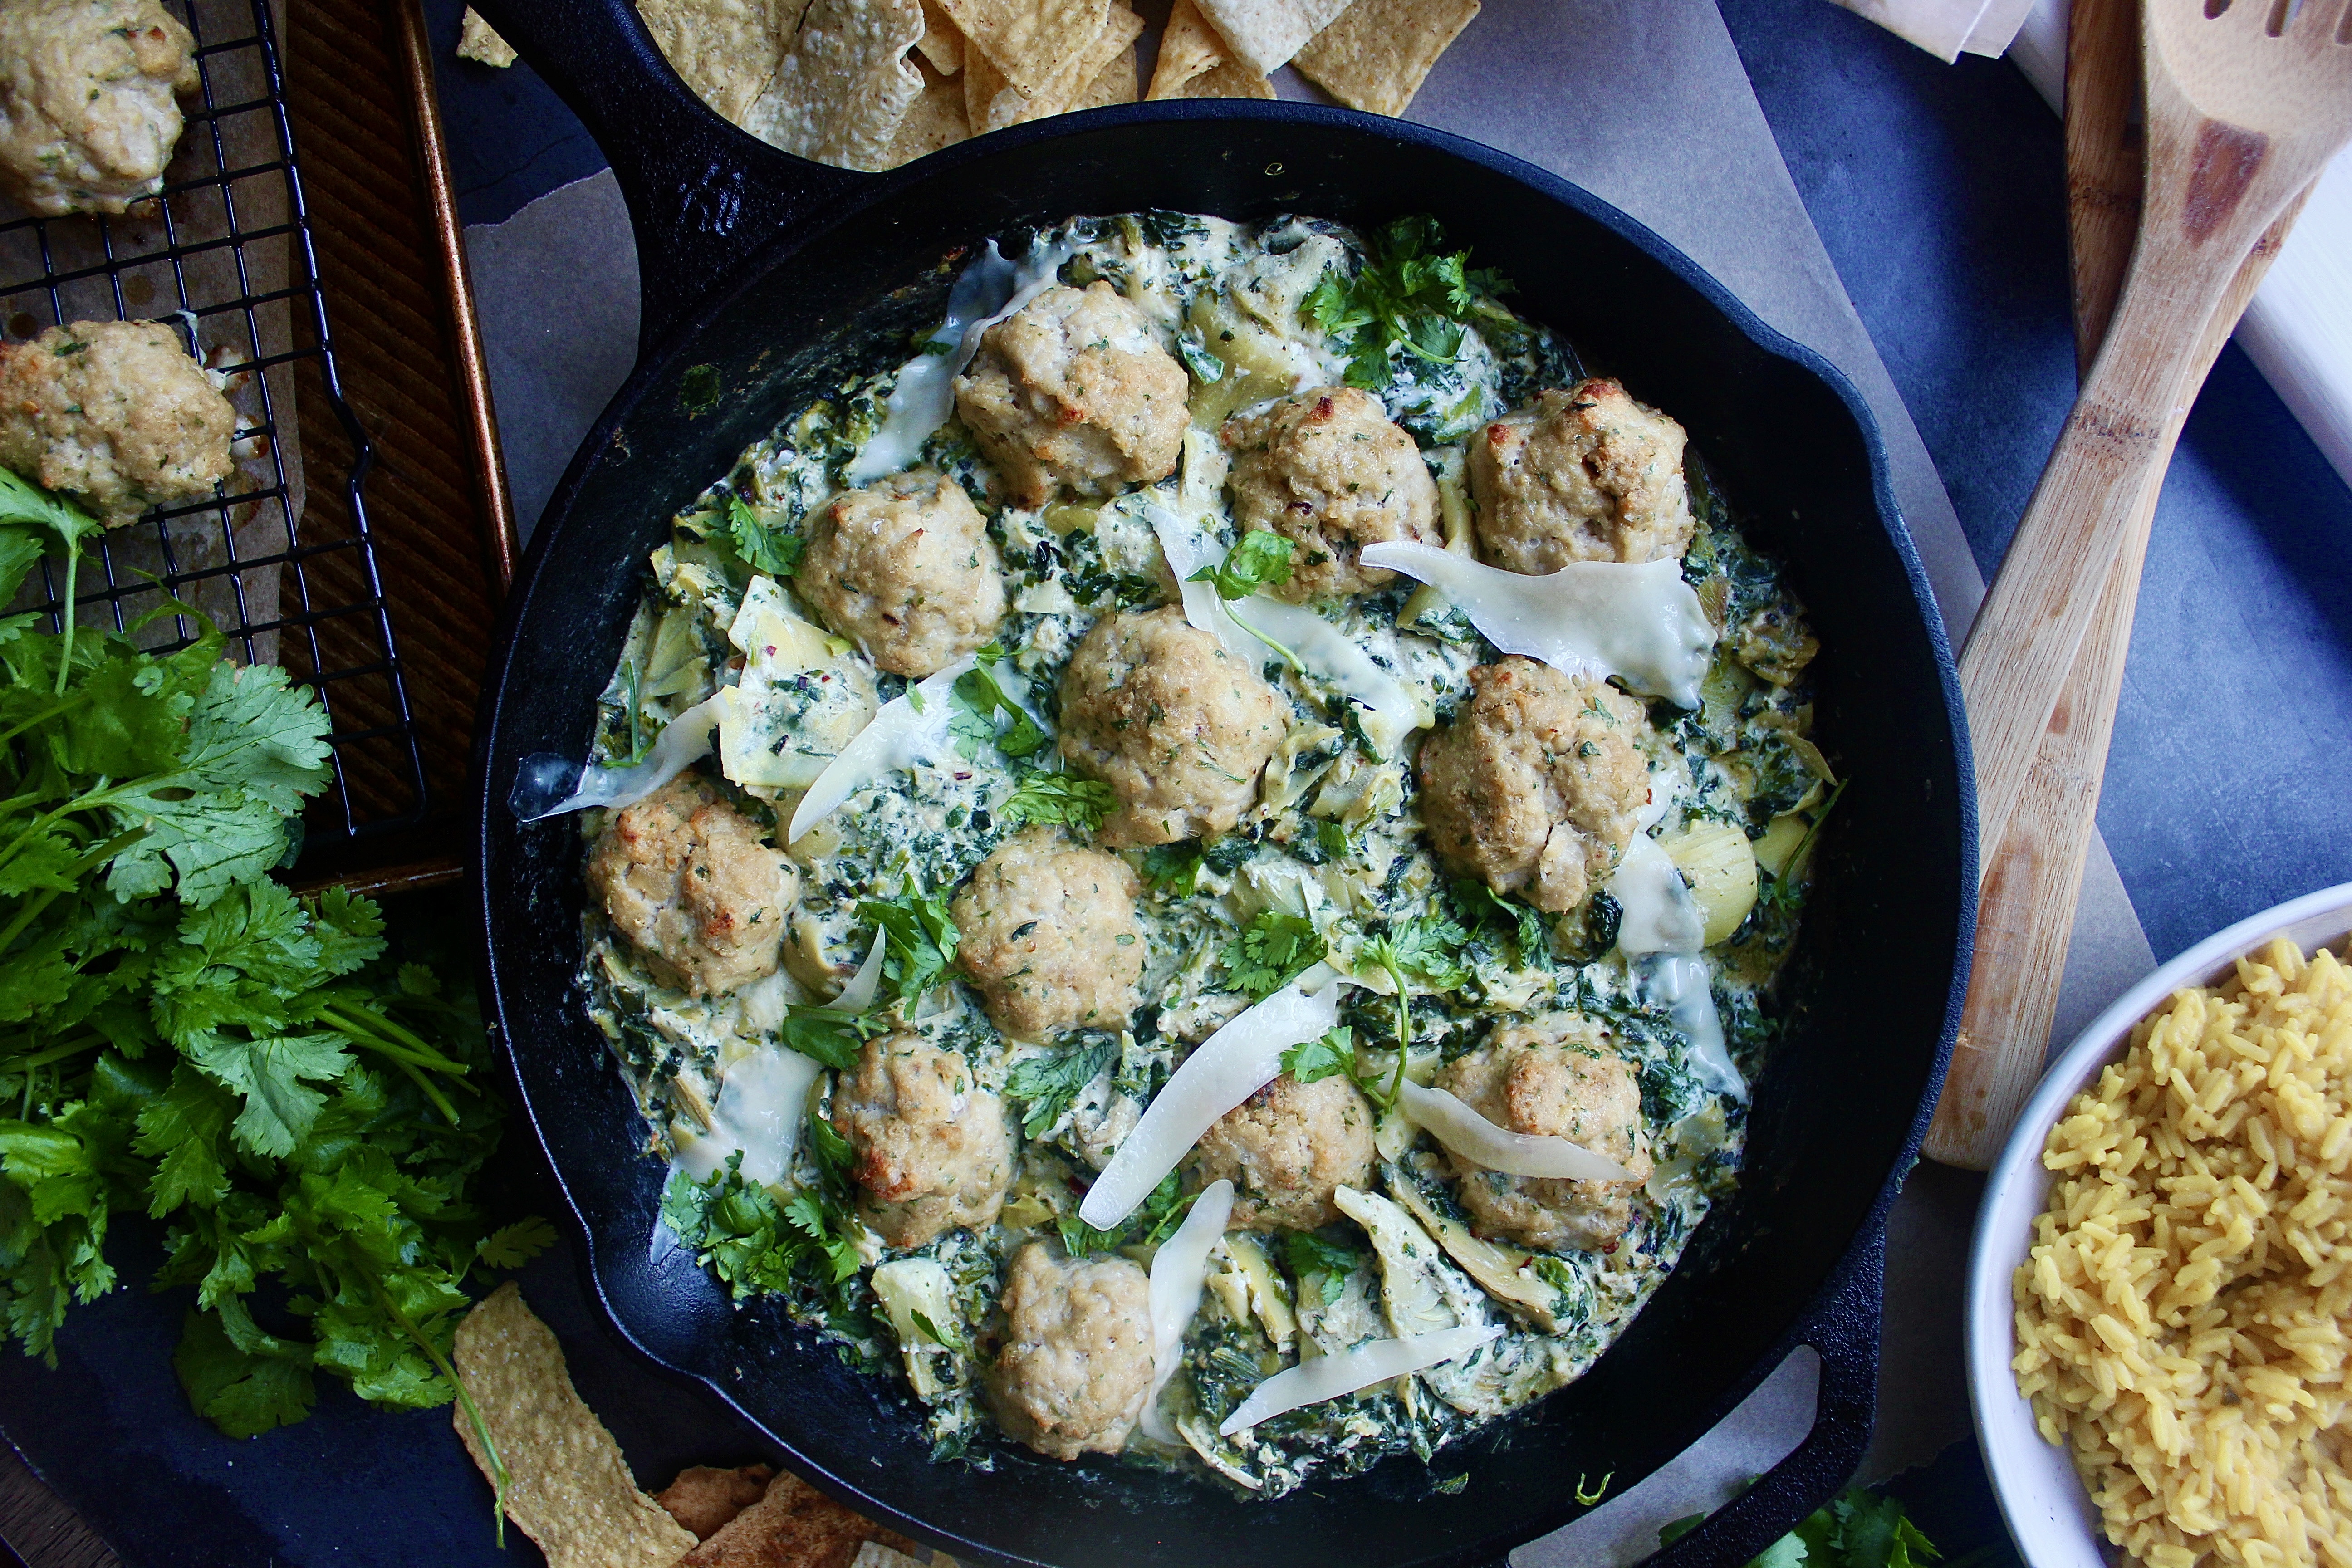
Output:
x,y
1288,1148
116,414
1049,935
1557,1081
906,568
934,1153
1585,475
1176,725
1326,470
1072,393
1076,1364
688,880
1535,784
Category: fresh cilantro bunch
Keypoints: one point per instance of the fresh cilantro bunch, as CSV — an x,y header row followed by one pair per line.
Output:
x,y
183,1038
1410,300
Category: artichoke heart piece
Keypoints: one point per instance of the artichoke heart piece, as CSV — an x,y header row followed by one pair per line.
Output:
x,y
912,1287
1715,859
1506,1273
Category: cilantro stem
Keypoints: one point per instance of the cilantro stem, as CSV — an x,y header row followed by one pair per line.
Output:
x,y
381,1034
425,1085
66,613
1288,658
26,915
73,1047
499,1478
45,715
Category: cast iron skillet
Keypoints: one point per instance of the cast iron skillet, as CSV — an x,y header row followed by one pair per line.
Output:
x,y
752,262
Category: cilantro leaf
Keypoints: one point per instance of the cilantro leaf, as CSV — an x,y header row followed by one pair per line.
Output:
x,y
826,1035
1524,924
921,937
1273,950
1329,1263
244,1392
1073,802
1423,949
763,549
1152,1220
1173,868
1260,558
1331,1052
1050,1084
512,1245
1409,300
980,699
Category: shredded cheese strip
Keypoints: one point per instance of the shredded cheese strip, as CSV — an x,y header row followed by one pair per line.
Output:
x,y
1480,1141
1226,1069
1180,1271
989,290
1641,624
909,727
1331,1376
683,741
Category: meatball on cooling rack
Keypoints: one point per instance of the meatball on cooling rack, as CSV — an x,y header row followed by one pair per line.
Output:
x,y
1585,475
905,568
89,114
1535,786
1050,937
1177,727
686,879
1074,393
116,414
1326,470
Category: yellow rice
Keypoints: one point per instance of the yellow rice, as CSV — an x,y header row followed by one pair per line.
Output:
x,y
2182,1318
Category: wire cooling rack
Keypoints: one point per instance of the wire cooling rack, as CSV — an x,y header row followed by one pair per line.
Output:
x,y
281,560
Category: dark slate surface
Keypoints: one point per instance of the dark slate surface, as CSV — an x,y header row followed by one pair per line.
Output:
x,y
1938,193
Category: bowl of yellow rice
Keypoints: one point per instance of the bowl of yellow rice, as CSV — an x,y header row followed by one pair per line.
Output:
x,y
2160,1312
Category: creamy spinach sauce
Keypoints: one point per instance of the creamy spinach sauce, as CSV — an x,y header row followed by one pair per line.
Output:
x,y
1332,857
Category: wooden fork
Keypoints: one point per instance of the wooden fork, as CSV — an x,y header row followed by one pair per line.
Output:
x,y
2246,102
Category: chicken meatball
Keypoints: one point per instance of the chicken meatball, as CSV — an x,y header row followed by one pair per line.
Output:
x,y
933,1149
1561,1082
1177,727
1586,475
1050,937
1073,393
906,568
1326,470
116,414
88,115
1535,784
1076,1364
685,877
1288,1148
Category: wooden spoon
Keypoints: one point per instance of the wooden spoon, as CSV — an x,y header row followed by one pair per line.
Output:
x,y
2244,108
2033,876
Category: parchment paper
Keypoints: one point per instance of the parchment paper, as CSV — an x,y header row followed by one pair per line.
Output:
x,y
1643,102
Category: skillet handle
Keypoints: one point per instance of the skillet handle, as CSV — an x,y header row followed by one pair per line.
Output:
x,y
702,194
1842,1327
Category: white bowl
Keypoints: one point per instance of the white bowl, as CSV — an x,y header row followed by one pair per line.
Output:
x,y
2049,1513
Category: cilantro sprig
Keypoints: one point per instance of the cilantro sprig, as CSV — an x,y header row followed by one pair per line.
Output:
x,y
1857,1529
1260,558
1271,952
1048,1085
1061,798
983,704
1410,300
774,551
921,939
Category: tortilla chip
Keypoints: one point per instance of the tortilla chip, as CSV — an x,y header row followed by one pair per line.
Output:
x,y
1231,79
1115,84
936,121
703,1498
1379,52
875,1555
726,50
794,1526
940,43
1265,34
567,1485
841,90
1189,46
1000,103
1030,42
476,40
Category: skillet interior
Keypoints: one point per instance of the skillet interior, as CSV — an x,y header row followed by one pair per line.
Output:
x,y
1872,993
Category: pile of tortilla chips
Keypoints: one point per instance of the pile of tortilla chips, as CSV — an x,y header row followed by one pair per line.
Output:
x,y
571,1490
871,84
